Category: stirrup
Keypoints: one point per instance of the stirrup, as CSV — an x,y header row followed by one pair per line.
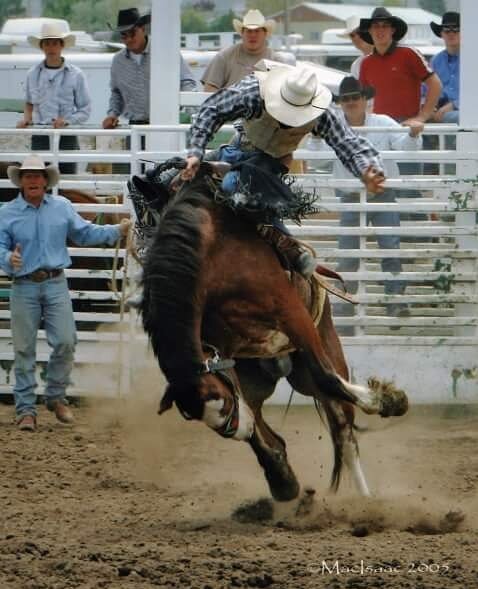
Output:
x,y
305,264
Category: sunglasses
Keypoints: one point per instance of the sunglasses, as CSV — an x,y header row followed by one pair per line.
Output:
x,y
351,97
450,29
128,34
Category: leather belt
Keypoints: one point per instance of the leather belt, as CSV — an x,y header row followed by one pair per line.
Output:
x,y
41,274
139,122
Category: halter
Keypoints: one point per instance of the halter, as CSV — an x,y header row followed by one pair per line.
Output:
x,y
217,366
214,364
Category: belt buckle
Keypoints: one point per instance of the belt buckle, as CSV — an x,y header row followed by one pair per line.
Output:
x,y
39,275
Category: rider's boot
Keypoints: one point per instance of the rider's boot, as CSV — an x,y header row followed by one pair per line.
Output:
x,y
297,255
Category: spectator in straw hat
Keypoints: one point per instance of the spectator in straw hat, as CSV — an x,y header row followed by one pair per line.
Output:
x,y
34,229
234,63
56,92
351,31
130,71
446,64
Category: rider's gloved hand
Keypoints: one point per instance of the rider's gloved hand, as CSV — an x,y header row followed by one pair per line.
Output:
x,y
192,166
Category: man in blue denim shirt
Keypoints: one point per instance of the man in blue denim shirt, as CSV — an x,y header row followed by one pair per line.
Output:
x,y
56,92
34,229
446,65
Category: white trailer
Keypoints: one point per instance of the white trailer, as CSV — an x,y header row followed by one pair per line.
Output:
x,y
96,66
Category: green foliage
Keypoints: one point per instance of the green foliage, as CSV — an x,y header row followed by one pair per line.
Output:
x,y
9,9
268,7
87,15
58,9
399,3
193,22
435,6
223,23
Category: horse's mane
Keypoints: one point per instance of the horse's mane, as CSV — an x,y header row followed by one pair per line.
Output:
x,y
171,275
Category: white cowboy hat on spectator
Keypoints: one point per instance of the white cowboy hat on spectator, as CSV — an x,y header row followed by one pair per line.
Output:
x,y
254,19
293,96
352,24
33,163
52,30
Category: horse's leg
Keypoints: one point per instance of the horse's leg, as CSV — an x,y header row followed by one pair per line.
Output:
x,y
376,398
269,448
340,416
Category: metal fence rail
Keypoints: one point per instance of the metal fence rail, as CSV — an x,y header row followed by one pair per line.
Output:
x,y
438,252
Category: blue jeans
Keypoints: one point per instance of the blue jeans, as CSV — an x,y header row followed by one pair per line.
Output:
x,y
378,219
30,303
233,154
451,117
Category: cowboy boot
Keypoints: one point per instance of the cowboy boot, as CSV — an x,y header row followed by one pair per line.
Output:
x,y
299,258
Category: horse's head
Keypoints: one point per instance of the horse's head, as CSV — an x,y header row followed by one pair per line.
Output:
x,y
160,183
213,397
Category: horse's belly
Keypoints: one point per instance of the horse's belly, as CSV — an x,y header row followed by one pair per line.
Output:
x,y
269,345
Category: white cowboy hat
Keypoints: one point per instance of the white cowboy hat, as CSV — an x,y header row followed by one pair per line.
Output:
x,y
254,19
52,30
352,24
294,96
33,162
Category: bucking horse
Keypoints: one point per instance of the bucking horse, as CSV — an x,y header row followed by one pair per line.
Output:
x,y
225,321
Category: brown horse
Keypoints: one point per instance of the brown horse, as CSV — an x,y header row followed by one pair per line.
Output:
x,y
215,295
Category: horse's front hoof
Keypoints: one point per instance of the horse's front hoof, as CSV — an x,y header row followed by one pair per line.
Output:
x,y
285,491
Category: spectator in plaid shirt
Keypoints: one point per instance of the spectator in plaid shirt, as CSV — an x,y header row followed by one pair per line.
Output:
x,y
278,108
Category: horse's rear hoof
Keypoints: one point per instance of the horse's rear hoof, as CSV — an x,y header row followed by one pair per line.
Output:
x,y
394,404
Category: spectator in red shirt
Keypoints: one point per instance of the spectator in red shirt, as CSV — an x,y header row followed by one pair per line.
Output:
x,y
396,72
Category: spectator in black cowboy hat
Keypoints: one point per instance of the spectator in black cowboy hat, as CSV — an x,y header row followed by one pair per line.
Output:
x,y
130,71
446,65
397,73
353,98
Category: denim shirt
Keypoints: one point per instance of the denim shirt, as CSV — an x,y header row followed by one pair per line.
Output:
x,y
447,68
42,233
66,95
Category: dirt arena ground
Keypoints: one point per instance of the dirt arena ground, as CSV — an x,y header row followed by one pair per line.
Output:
x,y
126,499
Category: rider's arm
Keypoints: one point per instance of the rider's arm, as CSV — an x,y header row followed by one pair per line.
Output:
x,y
355,152
242,100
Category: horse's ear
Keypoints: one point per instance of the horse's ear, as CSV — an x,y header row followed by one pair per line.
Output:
x,y
166,402
151,192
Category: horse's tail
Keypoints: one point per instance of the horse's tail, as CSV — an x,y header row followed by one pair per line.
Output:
x,y
332,423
